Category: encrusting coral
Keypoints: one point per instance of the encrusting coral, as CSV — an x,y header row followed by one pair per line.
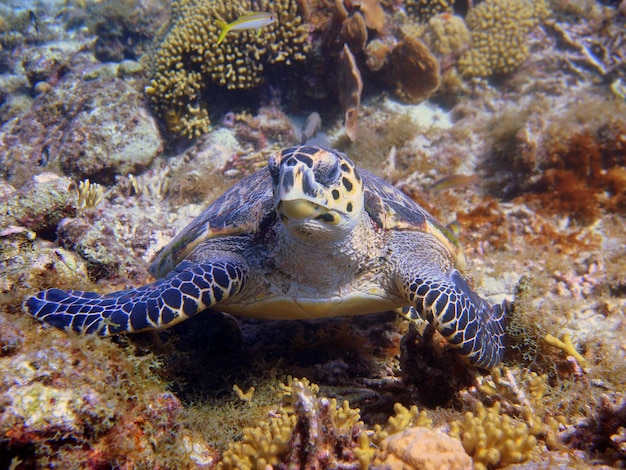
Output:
x,y
188,59
499,29
421,448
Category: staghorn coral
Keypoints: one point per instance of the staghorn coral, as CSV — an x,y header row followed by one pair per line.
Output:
x,y
499,29
188,58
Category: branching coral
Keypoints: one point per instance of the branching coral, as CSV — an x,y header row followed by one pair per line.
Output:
x,y
188,58
499,29
307,432
89,194
493,438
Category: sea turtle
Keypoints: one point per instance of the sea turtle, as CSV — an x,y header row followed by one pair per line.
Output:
x,y
309,236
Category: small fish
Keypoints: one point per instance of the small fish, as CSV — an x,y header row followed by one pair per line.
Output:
x,y
454,182
455,228
310,127
33,20
251,21
44,158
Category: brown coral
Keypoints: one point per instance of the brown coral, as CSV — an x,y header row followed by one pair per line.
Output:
x,y
188,58
415,71
373,13
350,89
354,32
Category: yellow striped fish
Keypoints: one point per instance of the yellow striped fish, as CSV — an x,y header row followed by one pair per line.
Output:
x,y
251,21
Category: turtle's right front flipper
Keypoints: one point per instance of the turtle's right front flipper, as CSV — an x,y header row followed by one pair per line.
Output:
x,y
190,288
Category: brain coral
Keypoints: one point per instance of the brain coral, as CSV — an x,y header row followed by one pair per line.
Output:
x,y
499,29
188,58
423,10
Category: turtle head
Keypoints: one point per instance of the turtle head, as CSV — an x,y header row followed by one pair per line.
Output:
x,y
316,189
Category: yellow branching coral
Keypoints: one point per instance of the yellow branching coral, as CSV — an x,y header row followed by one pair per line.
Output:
x,y
403,419
306,432
89,194
499,29
566,346
493,438
188,58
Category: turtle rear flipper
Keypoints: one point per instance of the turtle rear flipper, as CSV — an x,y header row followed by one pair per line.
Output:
x,y
189,289
470,324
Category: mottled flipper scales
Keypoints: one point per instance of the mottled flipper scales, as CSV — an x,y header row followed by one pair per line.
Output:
x,y
190,288
473,326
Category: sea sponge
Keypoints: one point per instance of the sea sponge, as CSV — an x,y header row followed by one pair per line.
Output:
x,y
499,29
188,57
415,71
493,438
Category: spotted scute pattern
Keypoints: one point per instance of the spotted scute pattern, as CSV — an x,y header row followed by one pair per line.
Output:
x,y
190,288
469,323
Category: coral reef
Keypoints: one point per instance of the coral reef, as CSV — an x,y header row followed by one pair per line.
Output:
x,y
53,416
604,430
542,144
188,60
40,204
66,135
499,29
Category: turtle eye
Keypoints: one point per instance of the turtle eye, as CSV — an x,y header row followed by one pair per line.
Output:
x,y
273,167
327,175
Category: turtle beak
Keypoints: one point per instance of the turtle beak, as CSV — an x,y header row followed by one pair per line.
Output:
x,y
297,209
298,199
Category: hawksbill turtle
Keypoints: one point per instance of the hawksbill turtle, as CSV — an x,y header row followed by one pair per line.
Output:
x,y
309,236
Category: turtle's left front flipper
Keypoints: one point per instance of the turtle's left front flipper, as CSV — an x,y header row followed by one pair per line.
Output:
x,y
469,323
189,289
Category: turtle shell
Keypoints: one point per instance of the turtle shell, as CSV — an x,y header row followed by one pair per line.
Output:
x,y
247,208
240,210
